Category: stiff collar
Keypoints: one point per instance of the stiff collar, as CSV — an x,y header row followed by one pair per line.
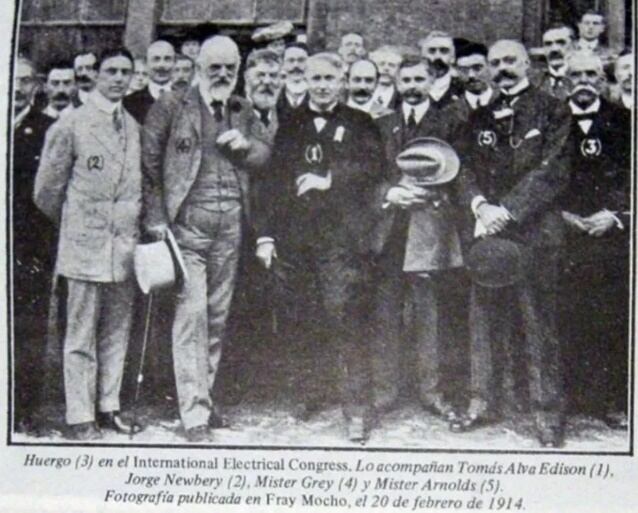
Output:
x,y
157,89
102,103
295,100
315,108
517,89
627,100
419,110
479,100
366,107
440,86
559,72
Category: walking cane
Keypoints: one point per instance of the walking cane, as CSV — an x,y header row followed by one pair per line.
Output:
x,y
140,371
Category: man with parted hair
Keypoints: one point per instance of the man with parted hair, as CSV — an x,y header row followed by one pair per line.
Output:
x,y
591,27
516,165
596,210
313,225
352,47
85,74
61,89
437,49
558,41
160,61
89,184
198,149
387,58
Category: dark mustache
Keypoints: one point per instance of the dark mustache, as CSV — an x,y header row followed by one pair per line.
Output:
x,y
505,74
266,89
83,79
61,96
555,54
20,96
296,70
361,93
439,64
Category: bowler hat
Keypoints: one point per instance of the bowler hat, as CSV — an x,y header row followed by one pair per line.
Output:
x,y
158,264
429,160
495,262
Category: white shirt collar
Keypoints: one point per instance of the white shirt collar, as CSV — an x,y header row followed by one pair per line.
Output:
x,y
383,95
103,104
593,108
440,86
56,114
419,110
523,84
17,119
479,100
319,111
557,72
627,100
258,113
156,89
295,100
583,44
366,107
83,95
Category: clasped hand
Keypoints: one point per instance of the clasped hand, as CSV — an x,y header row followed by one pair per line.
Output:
x,y
310,181
234,139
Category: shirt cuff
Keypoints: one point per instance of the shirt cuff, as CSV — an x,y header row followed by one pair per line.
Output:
x,y
477,201
264,240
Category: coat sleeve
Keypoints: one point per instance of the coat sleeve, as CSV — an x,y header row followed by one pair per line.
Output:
x,y
54,172
155,133
539,188
260,149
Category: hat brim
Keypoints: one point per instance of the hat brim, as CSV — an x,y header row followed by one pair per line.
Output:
x,y
177,254
449,170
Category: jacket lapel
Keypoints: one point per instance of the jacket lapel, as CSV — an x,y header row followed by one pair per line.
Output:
x,y
193,112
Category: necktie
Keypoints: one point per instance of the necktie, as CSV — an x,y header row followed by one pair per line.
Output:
x,y
412,120
117,120
263,115
218,110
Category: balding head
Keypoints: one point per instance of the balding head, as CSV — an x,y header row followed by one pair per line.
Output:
x,y
508,62
218,65
160,59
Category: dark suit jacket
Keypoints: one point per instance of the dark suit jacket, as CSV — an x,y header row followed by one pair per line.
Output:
x,y
600,179
543,81
284,108
445,124
172,152
138,104
453,94
341,216
525,170
33,232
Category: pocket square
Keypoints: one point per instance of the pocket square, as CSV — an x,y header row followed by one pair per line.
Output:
x,y
339,134
534,132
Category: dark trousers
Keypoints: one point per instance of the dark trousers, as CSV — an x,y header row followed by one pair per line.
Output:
x,y
327,286
595,325
514,339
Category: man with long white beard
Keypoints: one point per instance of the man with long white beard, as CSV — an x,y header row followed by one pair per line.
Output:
x,y
595,277
197,150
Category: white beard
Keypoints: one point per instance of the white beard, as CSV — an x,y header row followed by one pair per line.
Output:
x,y
217,92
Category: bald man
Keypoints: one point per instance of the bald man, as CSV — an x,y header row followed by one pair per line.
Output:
x,y
160,61
198,148
515,166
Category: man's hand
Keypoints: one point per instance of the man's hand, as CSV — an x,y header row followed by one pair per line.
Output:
x,y
310,181
157,232
600,223
234,139
404,196
265,253
575,221
493,217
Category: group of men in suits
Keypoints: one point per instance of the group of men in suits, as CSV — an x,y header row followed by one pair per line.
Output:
x,y
522,253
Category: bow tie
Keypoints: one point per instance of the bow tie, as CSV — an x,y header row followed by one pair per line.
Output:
x,y
584,116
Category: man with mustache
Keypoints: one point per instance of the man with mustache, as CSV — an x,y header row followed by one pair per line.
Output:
x,y
387,60
596,210
263,82
397,285
362,82
61,90
622,93
557,43
183,73
198,149
313,228
89,184
351,48
437,49
85,74
293,93
471,64
33,238
160,61
515,165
